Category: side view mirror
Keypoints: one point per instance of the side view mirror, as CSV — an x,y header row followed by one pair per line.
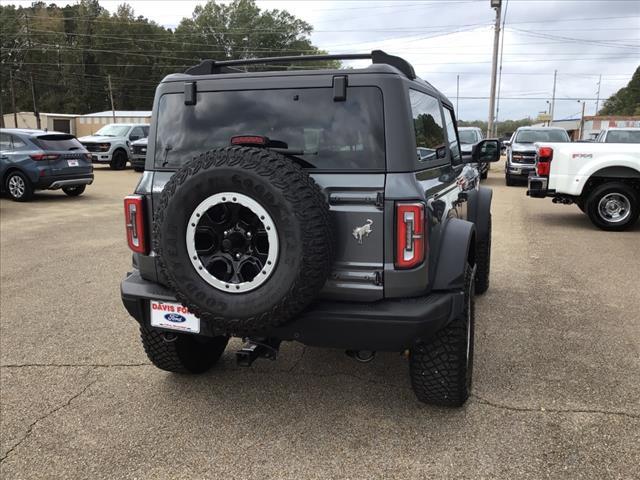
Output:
x,y
486,151
506,143
441,152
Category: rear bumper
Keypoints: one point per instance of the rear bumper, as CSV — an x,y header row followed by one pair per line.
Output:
x,y
537,187
387,325
53,183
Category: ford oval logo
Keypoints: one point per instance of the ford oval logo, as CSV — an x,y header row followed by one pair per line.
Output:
x,y
175,318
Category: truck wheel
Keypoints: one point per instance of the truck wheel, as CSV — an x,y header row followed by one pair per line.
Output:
x,y
181,352
483,262
613,206
19,187
244,237
441,369
508,180
74,190
119,160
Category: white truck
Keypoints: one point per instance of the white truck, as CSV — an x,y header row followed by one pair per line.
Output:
x,y
603,179
112,143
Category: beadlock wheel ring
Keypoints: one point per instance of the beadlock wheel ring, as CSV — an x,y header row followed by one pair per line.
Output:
x,y
226,238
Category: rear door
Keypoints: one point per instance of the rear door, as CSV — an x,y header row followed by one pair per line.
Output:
x,y
71,154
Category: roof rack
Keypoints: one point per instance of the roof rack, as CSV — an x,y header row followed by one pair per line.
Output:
x,y
207,67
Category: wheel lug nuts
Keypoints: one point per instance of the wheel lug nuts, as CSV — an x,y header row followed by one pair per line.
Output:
x,y
226,233
248,234
238,256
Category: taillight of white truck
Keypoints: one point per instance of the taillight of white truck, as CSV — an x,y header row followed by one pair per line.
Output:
x,y
544,155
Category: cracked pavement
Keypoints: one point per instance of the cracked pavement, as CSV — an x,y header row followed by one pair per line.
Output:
x,y
556,378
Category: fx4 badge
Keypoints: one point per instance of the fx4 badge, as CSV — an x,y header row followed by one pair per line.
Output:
x,y
360,232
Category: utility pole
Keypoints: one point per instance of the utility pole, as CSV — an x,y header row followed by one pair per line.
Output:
x,y
13,98
457,96
33,85
504,20
113,110
598,95
553,96
497,5
35,105
581,122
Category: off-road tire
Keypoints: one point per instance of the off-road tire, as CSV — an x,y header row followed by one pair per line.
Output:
x,y
301,216
75,190
119,160
483,262
27,191
441,370
184,353
607,188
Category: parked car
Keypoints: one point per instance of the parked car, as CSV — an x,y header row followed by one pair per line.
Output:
x,y
111,144
139,154
602,179
619,135
289,206
38,160
469,137
521,151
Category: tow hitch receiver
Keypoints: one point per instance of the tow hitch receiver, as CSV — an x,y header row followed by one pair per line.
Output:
x,y
254,348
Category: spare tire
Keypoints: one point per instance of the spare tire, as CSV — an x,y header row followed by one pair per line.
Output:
x,y
243,237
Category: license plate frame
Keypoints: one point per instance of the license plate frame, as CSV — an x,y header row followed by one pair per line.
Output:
x,y
173,316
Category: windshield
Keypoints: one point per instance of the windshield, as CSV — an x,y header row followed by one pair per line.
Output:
x,y
468,136
309,123
112,131
623,136
543,135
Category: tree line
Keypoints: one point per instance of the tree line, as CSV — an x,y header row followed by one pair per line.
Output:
x,y
64,57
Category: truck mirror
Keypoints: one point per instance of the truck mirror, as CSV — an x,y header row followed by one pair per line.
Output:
x,y
486,151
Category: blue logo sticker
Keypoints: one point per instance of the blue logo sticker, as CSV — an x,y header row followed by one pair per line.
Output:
x,y
175,318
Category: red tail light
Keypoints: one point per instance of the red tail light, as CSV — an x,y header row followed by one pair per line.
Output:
x,y
134,218
411,241
44,156
543,161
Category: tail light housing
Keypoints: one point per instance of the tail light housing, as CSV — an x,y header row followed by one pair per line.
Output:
x,y
134,221
44,156
411,241
543,161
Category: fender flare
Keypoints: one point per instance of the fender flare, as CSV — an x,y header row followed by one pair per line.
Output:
x,y
457,248
479,210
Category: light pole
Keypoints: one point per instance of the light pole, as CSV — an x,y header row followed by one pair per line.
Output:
x,y
581,121
497,5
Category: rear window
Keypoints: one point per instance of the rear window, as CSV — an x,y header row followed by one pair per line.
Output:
x,y
58,142
320,131
623,136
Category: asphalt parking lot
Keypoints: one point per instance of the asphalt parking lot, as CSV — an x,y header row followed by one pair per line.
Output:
x,y
556,388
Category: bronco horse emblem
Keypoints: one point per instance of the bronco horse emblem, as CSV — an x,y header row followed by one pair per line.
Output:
x,y
360,232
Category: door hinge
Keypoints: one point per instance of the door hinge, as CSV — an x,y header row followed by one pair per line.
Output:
x,y
380,200
379,278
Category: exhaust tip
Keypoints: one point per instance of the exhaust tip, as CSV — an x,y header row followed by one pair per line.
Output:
x,y
362,356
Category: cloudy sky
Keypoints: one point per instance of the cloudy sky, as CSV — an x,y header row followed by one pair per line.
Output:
x,y
581,39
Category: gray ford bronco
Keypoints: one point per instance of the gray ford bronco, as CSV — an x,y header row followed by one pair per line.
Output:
x,y
327,207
